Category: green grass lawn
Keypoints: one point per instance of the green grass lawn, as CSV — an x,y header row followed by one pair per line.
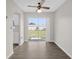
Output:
x,y
37,33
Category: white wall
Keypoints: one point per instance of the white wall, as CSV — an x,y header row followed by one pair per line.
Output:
x,y
63,27
48,16
11,8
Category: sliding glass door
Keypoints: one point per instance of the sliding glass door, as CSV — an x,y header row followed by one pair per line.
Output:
x,y
37,28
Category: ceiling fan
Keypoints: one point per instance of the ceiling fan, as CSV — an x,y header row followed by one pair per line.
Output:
x,y
39,6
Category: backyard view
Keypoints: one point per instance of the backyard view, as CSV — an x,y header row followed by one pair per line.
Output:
x,y
37,29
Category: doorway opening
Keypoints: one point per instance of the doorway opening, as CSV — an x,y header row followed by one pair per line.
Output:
x,y
16,30
37,28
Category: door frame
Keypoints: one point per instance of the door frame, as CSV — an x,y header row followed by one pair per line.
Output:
x,y
47,29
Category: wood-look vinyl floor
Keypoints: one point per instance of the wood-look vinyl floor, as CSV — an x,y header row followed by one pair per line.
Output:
x,y
38,50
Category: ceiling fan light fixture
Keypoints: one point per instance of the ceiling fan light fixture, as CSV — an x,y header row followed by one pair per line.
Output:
x,y
39,10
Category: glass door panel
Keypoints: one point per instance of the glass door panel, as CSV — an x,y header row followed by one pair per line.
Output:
x,y
37,28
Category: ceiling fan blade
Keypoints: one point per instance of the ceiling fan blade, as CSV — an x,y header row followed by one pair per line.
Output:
x,y
42,2
31,6
46,7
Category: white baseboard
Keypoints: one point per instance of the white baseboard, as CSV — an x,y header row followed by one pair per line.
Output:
x,y
49,40
63,50
10,55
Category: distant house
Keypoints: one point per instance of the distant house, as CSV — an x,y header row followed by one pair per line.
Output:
x,y
32,24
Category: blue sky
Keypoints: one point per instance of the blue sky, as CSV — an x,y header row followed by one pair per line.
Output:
x,y
38,21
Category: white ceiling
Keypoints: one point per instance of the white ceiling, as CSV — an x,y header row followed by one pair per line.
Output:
x,y
53,4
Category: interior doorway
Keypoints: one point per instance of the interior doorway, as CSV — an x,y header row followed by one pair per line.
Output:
x,y
37,29
16,30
